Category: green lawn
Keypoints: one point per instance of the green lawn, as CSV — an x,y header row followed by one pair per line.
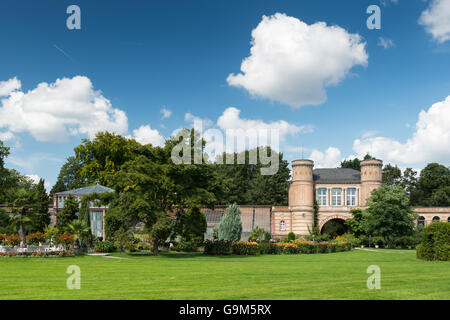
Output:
x,y
195,276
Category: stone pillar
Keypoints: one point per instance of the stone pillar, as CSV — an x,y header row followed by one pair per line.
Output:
x,y
55,208
103,224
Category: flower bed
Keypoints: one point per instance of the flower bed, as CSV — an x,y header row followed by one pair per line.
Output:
x,y
42,254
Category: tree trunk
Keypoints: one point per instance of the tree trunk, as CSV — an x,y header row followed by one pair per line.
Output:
x,y
156,247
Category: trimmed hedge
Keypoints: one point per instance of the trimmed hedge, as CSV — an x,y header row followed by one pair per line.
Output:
x,y
217,247
220,247
435,243
245,248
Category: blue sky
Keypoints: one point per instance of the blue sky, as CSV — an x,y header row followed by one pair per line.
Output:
x,y
144,56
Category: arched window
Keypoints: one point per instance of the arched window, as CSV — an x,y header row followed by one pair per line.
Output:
x,y
421,221
282,225
436,219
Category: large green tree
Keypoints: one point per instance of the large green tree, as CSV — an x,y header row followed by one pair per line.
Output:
x,y
104,155
389,213
67,214
69,176
160,231
355,163
432,187
246,185
20,209
40,217
194,226
392,175
357,224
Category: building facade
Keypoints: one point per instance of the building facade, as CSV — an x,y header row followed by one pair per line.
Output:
x,y
96,213
337,192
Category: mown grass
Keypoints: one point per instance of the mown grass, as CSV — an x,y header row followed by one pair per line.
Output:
x,y
195,276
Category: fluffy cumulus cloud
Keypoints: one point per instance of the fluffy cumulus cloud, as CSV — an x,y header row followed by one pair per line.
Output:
x,y
52,112
230,119
430,141
293,62
331,158
146,135
6,87
436,20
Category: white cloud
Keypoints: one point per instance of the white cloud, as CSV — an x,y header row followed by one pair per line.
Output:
x,y
52,112
436,20
230,119
165,113
430,141
330,159
5,136
6,87
146,135
196,122
386,43
293,62
33,177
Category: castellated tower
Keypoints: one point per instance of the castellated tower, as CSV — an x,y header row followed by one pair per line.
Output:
x,y
371,178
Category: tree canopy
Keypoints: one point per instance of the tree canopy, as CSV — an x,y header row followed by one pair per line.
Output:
x,y
389,213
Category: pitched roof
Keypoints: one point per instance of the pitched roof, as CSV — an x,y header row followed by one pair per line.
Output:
x,y
338,175
88,190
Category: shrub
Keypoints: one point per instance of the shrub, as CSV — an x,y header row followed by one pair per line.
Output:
x,y
64,239
257,235
13,240
186,246
379,241
2,238
348,238
291,236
267,236
270,248
217,247
435,243
364,240
245,248
104,246
36,238
290,248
